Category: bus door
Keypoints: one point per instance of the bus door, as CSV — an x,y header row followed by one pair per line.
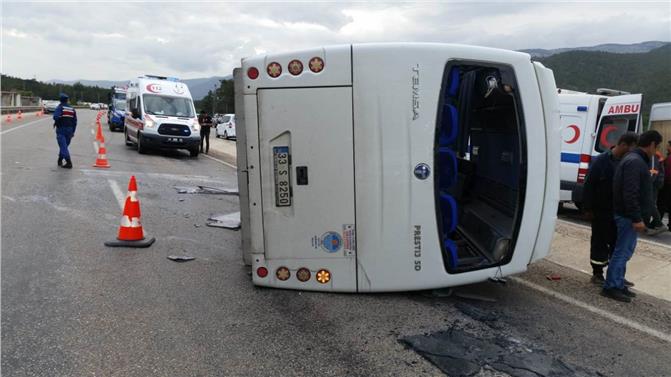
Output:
x,y
307,182
619,115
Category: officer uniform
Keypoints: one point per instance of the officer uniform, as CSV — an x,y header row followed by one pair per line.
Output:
x,y
65,122
205,121
598,199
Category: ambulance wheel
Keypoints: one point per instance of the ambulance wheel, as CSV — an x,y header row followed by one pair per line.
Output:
x,y
194,152
125,134
140,148
225,135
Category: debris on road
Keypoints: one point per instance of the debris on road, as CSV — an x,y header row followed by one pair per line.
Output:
x,y
181,258
205,190
227,221
553,277
458,353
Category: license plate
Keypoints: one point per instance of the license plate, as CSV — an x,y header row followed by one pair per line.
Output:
x,y
282,182
174,140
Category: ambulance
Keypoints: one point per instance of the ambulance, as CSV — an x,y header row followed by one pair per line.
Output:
x,y
395,167
160,114
591,124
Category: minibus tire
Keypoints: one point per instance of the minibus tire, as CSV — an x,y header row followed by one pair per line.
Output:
x,y
194,152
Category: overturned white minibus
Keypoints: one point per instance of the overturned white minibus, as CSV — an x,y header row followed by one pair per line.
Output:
x,y
392,167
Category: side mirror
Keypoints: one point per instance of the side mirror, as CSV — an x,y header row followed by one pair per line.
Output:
x,y
135,113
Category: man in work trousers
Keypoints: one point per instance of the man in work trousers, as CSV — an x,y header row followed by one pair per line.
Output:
x,y
205,121
632,201
65,123
598,203
654,224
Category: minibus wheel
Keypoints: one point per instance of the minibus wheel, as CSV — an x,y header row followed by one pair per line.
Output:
x,y
140,148
125,133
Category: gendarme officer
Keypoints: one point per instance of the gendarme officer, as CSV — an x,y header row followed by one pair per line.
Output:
x,y
65,123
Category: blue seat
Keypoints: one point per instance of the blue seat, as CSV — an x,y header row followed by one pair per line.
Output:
x,y
448,212
453,82
451,253
447,168
449,126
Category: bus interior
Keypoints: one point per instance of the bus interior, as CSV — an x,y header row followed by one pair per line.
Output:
x,y
480,164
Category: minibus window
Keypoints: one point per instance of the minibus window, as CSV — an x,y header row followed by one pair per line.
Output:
x,y
480,164
611,128
168,106
120,104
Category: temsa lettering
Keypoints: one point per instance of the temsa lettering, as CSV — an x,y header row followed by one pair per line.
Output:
x,y
624,109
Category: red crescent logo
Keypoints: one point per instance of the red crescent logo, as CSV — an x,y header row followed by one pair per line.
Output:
x,y
604,135
576,134
154,88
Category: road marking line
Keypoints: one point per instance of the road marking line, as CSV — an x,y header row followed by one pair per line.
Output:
x,y
21,126
120,197
96,147
608,315
220,161
176,177
93,132
585,227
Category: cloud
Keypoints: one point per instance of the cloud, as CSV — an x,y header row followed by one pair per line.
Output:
x,y
120,40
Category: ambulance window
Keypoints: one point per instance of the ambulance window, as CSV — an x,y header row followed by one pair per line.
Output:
x,y
611,128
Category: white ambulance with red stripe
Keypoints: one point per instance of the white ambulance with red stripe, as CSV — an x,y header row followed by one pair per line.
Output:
x,y
591,124
160,114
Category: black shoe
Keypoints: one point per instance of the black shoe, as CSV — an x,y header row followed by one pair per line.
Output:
x,y
68,164
615,294
628,293
627,283
597,279
60,162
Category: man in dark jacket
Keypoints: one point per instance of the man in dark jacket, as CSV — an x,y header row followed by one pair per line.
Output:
x,y
205,121
65,123
632,201
598,203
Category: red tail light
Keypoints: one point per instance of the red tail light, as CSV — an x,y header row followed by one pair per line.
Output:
x,y
253,73
583,167
262,272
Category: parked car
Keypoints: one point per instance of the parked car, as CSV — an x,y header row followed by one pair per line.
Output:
x,y
49,106
226,127
94,106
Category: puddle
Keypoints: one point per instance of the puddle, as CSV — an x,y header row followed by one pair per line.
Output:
x,y
459,353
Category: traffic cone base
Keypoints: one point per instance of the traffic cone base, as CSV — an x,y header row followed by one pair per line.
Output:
x,y
101,160
146,242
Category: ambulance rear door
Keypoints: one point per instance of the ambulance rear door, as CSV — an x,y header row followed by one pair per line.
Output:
x,y
620,114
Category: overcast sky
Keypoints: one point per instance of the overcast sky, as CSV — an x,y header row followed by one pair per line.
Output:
x,y
119,40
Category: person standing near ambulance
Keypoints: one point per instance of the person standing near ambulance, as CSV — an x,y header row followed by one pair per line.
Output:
x,y
65,123
598,203
632,202
654,224
205,121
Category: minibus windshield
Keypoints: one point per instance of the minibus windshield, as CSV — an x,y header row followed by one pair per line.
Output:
x,y
168,106
120,104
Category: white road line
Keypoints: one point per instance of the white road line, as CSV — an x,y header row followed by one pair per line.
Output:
x,y
585,227
21,126
220,161
120,197
93,132
628,322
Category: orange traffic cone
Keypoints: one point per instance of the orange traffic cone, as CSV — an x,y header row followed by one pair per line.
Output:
x,y
99,134
131,233
20,115
9,118
101,160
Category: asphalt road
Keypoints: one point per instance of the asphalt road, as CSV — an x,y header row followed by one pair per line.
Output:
x,y
71,307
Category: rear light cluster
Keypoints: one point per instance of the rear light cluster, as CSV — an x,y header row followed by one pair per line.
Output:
x,y
295,68
583,167
303,274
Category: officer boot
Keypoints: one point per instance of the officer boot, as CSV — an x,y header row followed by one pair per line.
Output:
x,y
68,164
60,161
